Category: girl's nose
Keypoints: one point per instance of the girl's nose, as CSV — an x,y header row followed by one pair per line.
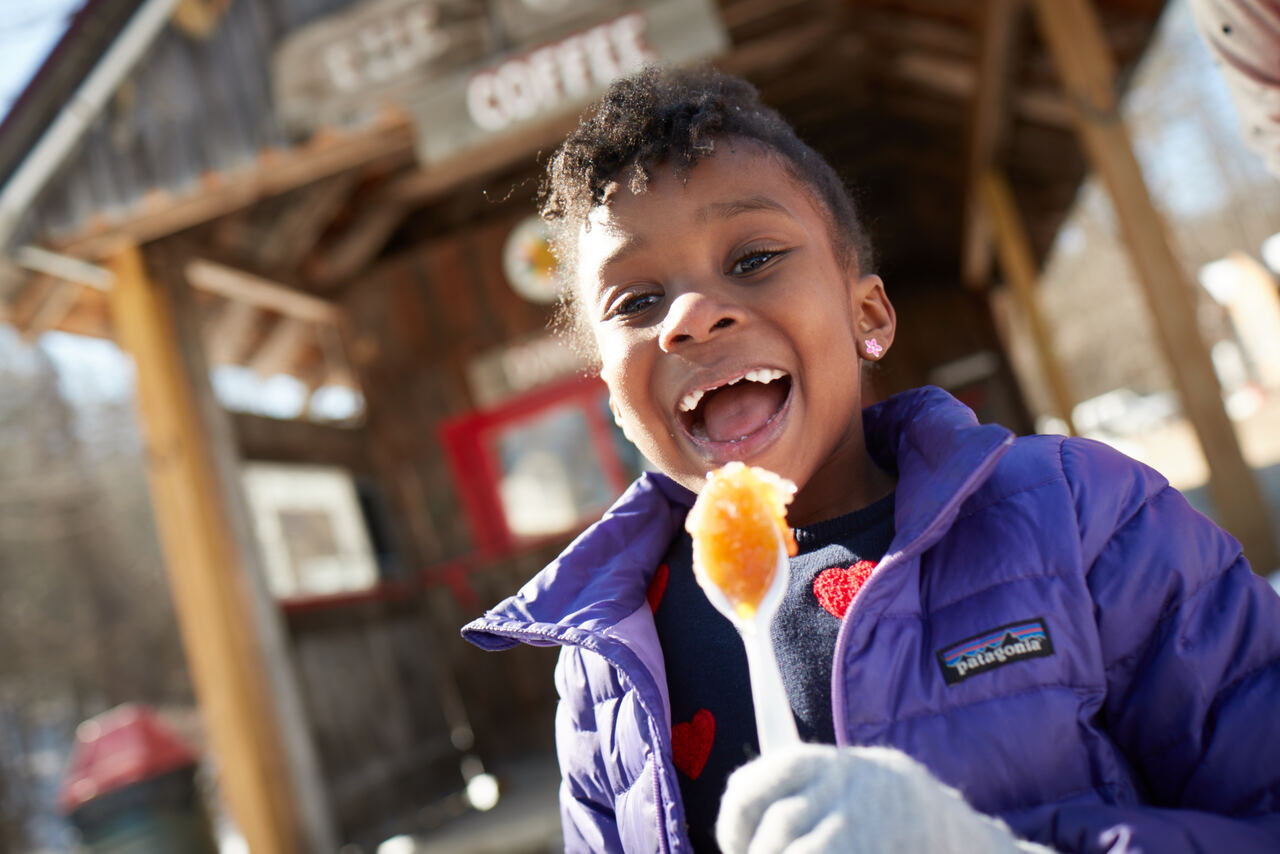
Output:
x,y
695,316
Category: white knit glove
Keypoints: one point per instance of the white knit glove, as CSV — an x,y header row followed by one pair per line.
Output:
x,y
816,798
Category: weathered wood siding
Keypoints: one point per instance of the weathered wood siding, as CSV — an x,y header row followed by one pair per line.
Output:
x,y
393,694
415,324
384,711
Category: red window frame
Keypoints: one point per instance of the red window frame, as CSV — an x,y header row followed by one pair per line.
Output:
x,y
468,442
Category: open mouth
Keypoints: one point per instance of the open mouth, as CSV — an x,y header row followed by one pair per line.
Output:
x,y
737,409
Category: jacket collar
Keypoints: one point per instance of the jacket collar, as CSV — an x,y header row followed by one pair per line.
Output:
x,y
940,453
933,442
601,577
942,456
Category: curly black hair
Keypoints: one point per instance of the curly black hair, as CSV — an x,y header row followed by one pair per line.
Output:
x,y
672,117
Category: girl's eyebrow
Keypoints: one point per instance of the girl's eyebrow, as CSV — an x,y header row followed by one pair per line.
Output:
x,y
722,210
633,244
736,207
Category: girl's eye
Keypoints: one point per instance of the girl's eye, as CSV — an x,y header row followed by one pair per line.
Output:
x,y
753,261
633,305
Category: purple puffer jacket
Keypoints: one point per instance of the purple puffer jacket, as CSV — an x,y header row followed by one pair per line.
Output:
x,y
1139,712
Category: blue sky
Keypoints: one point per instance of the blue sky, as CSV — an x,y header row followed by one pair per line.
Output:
x,y
28,31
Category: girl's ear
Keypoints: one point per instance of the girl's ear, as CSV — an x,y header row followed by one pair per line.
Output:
x,y
874,318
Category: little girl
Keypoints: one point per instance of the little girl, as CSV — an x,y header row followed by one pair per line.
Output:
x,y
991,644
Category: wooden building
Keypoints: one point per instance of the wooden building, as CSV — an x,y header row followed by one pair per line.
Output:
x,y
340,191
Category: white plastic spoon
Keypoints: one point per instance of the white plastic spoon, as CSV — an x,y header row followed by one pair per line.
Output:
x,y
775,725
739,513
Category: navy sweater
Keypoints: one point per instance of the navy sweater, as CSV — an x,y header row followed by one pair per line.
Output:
x,y
714,730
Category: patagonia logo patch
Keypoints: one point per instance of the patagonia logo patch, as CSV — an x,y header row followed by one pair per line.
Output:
x,y
995,648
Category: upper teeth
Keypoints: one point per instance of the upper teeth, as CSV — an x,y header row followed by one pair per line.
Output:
x,y
757,375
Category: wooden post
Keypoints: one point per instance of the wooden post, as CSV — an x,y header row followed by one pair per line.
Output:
x,y
1017,262
988,127
208,588
1079,49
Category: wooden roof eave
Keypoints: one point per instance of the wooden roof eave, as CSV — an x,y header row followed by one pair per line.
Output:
x,y
386,144
933,60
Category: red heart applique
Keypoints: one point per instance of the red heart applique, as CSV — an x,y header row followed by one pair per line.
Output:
x,y
657,587
691,743
836,587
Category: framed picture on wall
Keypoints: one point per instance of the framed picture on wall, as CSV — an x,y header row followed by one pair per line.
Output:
x,y
540,465
310,529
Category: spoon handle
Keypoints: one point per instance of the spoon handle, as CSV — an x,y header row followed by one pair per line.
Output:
x,y
775,725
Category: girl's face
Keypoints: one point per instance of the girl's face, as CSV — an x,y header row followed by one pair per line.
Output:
x,y
729,329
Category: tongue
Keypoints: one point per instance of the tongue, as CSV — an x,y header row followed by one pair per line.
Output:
x,y
741,409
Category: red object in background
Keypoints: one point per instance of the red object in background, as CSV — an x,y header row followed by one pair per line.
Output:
x,y
469,445
125,745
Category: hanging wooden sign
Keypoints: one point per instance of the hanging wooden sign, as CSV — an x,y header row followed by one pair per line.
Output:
x,y
343,68
490,65
474,105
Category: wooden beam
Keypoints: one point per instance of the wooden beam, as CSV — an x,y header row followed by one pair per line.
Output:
x,y
308,366
1079,50
760,55
91,315
389,143
12,280
279,351
62,267
905,30
383,214
298,441
58,303
357,248
940,10
50,296
745,12
229,331
1017,262
85,314
297,735
337,367
295,233
338,370
988,125
29,300
205,574
433,181
957,79
235,284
